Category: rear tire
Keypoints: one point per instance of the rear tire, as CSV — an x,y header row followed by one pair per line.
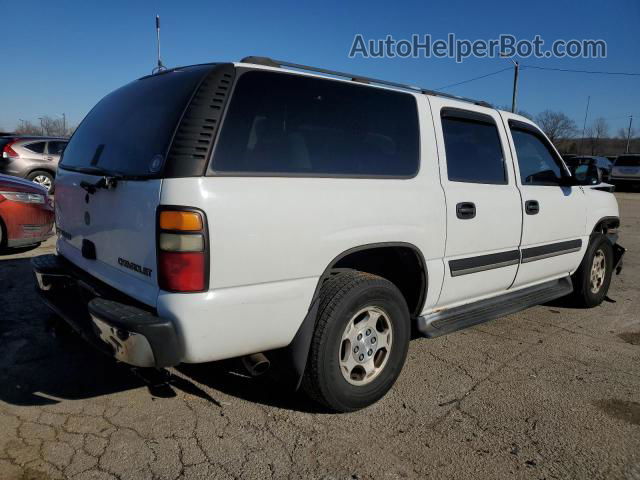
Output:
x,y
360,341
591,281
43,178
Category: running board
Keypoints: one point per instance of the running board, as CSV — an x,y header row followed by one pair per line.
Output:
x,y
457,318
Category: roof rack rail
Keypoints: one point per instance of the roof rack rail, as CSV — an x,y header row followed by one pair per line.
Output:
x,y
269,62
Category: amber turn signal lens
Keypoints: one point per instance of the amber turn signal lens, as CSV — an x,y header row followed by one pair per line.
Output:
x,y
187,221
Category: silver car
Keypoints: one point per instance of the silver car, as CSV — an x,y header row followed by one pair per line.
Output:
x,y
33,158
626,170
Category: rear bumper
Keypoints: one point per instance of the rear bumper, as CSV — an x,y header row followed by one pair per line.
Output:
x,y
111,322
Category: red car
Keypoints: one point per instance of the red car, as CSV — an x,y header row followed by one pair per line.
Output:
x,y
26,213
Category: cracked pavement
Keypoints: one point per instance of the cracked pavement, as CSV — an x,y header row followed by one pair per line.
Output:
x,y
551,392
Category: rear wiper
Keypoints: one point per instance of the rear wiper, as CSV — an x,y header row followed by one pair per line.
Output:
x,y
106,182
109,178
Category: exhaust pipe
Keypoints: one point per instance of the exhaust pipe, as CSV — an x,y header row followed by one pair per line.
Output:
x,y
256,364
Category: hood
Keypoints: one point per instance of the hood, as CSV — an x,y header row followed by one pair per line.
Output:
x,y
16,184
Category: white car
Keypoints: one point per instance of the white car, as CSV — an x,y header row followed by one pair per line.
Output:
x,y
233,209
626,170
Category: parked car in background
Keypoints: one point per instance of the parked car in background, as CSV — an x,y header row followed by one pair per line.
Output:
x,y
602,163
33,158
26,213
626,170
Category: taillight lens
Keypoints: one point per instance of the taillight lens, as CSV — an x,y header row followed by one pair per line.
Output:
x,y
7,151
182,251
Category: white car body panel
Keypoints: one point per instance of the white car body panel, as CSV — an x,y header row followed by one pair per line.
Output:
x,y
498,210
121,225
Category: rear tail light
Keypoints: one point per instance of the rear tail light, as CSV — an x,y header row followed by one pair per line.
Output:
x,y
183,257
8,152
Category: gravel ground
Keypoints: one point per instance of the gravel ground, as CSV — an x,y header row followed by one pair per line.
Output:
x,y
552,392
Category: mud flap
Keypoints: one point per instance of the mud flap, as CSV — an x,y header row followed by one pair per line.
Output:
x,y
618,253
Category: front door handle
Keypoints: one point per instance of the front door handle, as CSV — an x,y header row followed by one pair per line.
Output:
x,y
465,210
531,207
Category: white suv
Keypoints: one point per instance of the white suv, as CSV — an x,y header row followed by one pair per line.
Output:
x,y
228,210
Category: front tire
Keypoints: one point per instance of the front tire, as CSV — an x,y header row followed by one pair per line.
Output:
x,y
591,281
360,341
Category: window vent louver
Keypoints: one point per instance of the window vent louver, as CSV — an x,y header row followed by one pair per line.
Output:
x,y
193,140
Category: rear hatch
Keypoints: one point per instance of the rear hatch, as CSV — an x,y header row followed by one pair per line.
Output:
x,y
110,177
627,166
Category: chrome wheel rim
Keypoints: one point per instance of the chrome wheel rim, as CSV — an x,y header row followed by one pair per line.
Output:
x,y
365,346
43,181
598,271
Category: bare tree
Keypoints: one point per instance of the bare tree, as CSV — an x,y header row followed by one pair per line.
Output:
x,y
52,127
25,127
556,125
624,132
597,132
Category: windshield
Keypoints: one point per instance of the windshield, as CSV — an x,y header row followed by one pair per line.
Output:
x,y
129,131
628,161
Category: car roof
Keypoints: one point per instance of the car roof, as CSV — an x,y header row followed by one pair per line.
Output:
x,y
265,63
43,139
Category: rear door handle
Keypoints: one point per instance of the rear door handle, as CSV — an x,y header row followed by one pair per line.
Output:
x,y
465,210
531,207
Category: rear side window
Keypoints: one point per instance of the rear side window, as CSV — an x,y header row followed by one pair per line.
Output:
x,y
288,124
538,165
56,148
473,150
628,161
37,147
129,130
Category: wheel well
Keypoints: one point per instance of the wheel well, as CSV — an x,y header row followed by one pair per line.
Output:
x,y
46,170
605,224
401,264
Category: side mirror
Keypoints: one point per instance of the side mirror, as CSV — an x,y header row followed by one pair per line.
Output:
x,y
587,174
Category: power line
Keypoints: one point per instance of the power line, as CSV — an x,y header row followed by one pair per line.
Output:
x,y
597,72
569,70
474,78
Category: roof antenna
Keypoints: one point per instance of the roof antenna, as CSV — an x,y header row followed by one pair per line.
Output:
x,y
160,67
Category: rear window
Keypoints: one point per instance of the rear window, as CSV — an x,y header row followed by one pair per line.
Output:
x,y
628,161
288,124
129,130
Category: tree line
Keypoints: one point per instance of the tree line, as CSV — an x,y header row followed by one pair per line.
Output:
x,y
597,138
47,126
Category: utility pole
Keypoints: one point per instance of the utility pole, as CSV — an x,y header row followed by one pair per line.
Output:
x,y
64,124
516,71
41,126
584,126
629,133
